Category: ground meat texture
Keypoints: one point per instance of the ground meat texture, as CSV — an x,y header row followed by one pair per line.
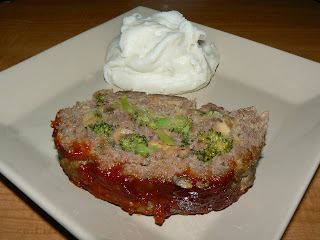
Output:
x,y
156,176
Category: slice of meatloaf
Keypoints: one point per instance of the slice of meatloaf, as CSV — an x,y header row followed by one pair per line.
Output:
x,y
159,155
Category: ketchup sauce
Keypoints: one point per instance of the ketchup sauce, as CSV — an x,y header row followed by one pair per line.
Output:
x,y
155,196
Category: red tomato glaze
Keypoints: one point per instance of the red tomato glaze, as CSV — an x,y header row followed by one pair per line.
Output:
x,y
156,196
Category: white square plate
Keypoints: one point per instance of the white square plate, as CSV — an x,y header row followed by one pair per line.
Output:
x,y
249,74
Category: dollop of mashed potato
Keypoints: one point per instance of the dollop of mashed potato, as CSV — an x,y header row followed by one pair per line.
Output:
x,y
162,53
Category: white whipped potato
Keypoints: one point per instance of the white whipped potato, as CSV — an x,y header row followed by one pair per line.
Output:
x,y
160,54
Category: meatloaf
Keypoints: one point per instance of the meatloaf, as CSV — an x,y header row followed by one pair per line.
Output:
x,y
159,155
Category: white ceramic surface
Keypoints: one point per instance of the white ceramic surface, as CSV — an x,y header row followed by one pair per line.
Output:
x,y
249,74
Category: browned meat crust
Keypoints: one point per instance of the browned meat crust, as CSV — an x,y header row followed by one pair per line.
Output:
x,y
170,179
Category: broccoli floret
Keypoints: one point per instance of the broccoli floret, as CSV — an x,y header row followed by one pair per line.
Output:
x,y
135,143
100,98
182,126
185,141
101,128
216,144
142,116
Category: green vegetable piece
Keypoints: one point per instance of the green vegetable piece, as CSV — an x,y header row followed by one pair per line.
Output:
x,y
129,142
165,138
152,124
101,128
216,144
181,125
126,105
126,144
142,116
154,148
135,143
160,123
142,150
185,141
100,97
